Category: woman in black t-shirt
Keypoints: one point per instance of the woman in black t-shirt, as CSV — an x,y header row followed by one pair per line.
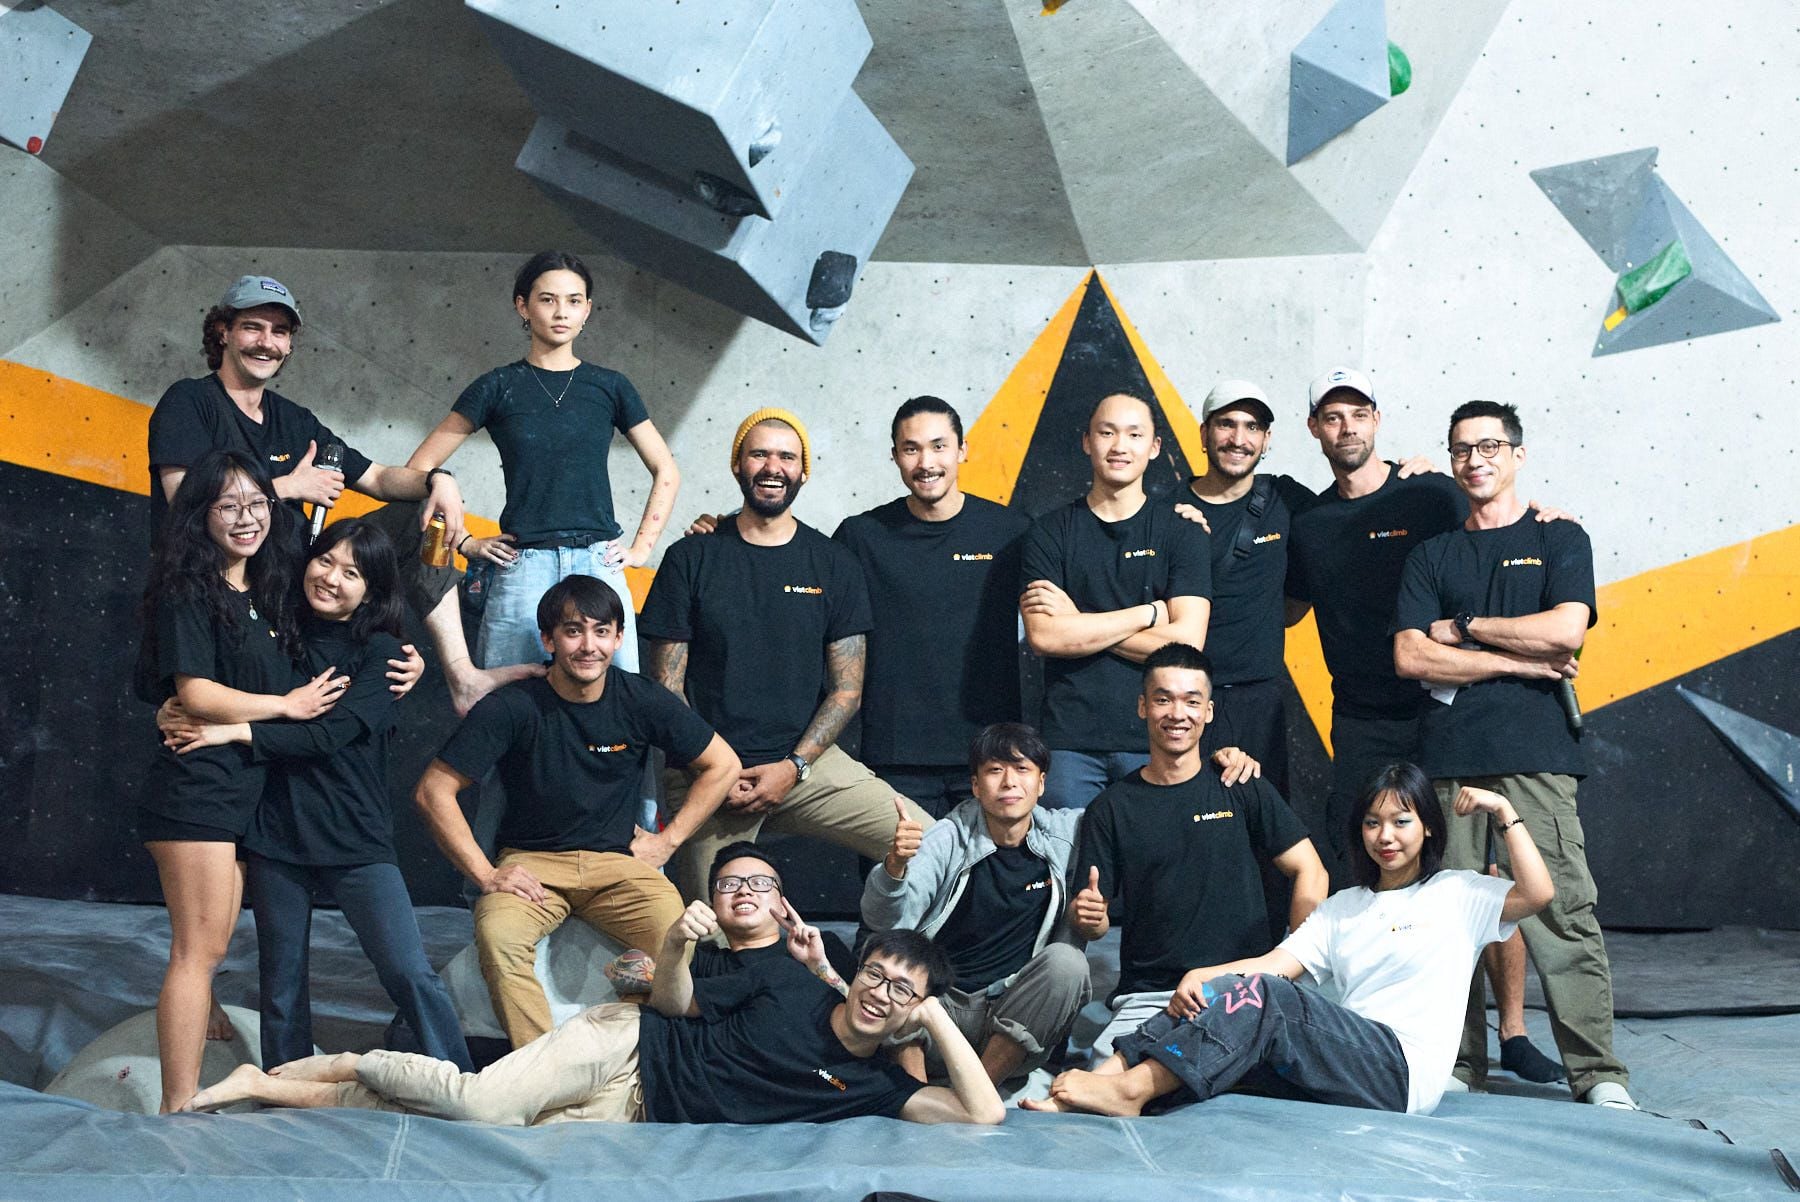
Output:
x,y
325,817
218,633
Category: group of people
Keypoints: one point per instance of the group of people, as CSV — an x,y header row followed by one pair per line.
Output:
x,y
1155,796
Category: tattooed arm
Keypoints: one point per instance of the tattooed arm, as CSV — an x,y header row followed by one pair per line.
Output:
x,y
665,482
667,666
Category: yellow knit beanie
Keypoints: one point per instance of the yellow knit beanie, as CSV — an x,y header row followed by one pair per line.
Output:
x,y
786,419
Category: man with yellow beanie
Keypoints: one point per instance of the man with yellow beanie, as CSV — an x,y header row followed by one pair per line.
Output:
x,y
761,624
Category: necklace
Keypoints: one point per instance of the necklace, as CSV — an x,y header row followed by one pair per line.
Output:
x,y
556,400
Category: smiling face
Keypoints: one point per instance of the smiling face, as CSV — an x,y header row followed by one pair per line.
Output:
x,y
744,914
1345,425
1121,440
1176,704
871,1009
580,647
237,521
556,309
928,452
334,583
769,468
1235,440
257,343
1480,477
1393,836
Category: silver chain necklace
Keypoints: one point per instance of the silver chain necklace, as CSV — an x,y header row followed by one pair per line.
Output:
x,y
557,399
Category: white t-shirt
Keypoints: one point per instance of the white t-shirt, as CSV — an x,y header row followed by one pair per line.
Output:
x,y
1403,958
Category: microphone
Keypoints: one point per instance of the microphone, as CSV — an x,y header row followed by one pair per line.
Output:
x,y
1571,705
332,459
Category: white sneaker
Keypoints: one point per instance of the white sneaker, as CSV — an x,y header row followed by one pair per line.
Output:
x,y
1610,1094
1456,1085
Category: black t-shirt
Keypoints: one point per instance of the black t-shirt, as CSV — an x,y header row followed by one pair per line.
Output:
x,y
197,416
762,1051
552,454
943,656
1507,724
1346,560
1183,861
1090,702
991,932
326,802
1246,633
572,769
757,621
711,960
214,786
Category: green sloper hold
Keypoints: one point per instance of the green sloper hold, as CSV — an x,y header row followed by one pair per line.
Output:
x,y
1399,70
1644,285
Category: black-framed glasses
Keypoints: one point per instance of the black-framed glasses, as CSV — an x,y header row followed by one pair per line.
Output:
x,y
1488,448
229,510
758,883
902,993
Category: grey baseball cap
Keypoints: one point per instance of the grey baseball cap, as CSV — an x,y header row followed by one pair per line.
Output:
x,y
1238,394
252,290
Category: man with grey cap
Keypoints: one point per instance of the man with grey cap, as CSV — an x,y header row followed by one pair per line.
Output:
x,y
247,339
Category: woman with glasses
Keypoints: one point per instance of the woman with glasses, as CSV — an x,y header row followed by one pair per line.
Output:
x,y
325,819
219,635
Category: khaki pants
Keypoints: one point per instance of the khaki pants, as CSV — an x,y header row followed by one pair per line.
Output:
x,y
840,801
586,1069
622,898
1563,939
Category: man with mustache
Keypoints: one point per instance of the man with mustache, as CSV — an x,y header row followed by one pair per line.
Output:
x,y
943,569
762,624
571,749
248,338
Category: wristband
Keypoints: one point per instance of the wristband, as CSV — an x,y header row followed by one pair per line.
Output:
x,y
1507,826
459,543
1152,620
438,471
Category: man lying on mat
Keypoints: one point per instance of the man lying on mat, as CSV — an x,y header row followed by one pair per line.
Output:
x,y
771,1042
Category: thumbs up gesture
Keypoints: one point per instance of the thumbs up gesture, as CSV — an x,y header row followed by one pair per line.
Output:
x,y
1087,912
905,846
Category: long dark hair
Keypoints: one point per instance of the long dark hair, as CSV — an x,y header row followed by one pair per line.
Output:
x,y
382,610
188,566
1412,789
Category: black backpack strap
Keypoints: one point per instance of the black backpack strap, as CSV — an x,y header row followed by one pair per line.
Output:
x,y
1262,491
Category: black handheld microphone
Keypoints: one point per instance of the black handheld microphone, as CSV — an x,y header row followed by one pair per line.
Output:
x,y
1571,705
332,459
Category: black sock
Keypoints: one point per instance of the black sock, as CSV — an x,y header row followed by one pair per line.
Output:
x,y
1521,1059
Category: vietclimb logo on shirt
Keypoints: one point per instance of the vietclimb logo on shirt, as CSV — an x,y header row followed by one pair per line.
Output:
x,y
970,556
1139,554
281,458
1530,561
1400,928
835,1083
1389,533
609,748
1216,814
808,589
1273,537
1043,884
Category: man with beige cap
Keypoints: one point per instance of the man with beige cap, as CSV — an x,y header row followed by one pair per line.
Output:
x,y
762,625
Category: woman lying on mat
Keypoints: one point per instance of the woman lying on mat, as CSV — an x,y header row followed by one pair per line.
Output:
x,y
325,817
1398,950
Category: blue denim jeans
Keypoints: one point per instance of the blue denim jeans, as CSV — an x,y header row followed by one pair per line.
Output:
x,y
509,627
1077,777
1266,1031
374,900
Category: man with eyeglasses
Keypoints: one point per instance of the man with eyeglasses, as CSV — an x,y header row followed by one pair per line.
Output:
x,y
1349,549
570,748
989,883
1492,617
760,1045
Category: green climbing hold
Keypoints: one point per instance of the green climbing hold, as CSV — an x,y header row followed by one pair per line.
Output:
x,y
1645,284
1399,70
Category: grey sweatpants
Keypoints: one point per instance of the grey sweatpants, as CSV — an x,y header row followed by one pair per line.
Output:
x,y
1036,1010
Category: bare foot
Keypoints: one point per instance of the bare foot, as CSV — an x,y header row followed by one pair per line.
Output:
x,y
218,1023
1049,1104
332,1068
471,684
1099,1093
240,1086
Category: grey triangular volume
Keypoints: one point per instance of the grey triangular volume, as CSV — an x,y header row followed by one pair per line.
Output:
x,y
1337,75
1711,263
1771,753
1693,308
1602,197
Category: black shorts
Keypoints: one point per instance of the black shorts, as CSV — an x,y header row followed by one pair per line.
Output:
x,y
159,828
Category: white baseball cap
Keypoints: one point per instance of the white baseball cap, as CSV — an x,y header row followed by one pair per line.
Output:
x,y
1335,380
1231,394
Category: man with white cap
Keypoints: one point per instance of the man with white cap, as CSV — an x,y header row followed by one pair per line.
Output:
x,y
762,625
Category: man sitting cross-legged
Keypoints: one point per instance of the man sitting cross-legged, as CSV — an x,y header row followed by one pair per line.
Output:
x,y
762,1045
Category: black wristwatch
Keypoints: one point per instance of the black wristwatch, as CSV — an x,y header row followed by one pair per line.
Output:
x,y
800,766
1462,621
437,471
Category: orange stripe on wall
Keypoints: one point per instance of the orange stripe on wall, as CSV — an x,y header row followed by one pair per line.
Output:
x,y
1001,435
